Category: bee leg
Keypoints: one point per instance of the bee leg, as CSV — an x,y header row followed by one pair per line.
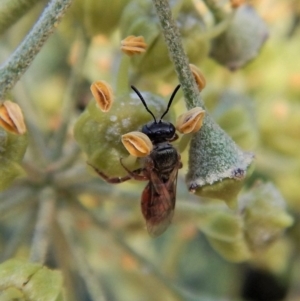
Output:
x,y
135,174
113,180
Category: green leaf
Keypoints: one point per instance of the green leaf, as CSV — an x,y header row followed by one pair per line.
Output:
x,y
29,281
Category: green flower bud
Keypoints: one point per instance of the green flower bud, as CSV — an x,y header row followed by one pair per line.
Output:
x,y
99,133
12,150
242,40
98,17
241,236
226,190
139,18
41,283
225,233
236,251
213,172
276,257
265,216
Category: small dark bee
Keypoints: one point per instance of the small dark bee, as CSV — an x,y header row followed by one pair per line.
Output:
x,y
160,169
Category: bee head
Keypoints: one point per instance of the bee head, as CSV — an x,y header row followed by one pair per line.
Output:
x,y
158,130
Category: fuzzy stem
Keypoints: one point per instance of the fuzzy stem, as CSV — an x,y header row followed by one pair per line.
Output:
x,y
13,10
177,54
41,235
122,85
20,60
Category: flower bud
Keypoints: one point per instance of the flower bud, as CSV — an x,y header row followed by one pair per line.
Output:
x,y
96,16
103,95
242,40
191,121
265,216
137,143
249,232
224,231
234,251
11,118
226,190
99,134
275,258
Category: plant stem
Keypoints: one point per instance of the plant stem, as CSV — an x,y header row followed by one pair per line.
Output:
x,y
66,223
19,235
20,60
13,10
38,146
122,85
177,54
14,198
71,95
66,160
217,9
41,235
65,263
145,263
218,28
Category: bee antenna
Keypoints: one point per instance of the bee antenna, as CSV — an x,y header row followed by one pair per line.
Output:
x,y
143,101
170,102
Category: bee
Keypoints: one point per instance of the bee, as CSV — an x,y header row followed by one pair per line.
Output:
x,y
160,168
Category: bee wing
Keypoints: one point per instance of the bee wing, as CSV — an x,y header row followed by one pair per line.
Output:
x,y
158,203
